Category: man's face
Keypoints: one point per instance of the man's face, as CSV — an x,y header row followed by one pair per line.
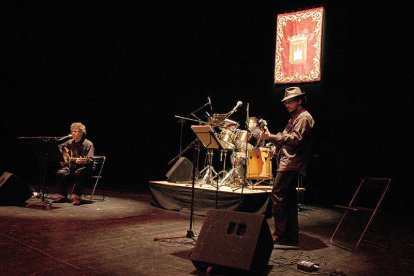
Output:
x,y
252,124
76,134
292,105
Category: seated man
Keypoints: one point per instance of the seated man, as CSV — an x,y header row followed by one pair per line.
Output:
x,y
78,165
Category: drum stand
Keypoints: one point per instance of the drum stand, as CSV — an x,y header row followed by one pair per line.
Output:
x,y
208,171
231,176
223,172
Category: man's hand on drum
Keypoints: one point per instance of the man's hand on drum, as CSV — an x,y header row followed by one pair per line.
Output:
x,y
265,134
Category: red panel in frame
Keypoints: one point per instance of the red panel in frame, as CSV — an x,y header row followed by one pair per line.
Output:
x,y
298,46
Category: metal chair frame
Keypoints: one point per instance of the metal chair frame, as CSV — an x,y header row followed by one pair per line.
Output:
x,y
96,176
382,185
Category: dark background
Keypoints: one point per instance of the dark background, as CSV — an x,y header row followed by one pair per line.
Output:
x,y
125,68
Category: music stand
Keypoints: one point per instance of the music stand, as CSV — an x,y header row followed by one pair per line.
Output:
x,y
209,140
46,150
206,135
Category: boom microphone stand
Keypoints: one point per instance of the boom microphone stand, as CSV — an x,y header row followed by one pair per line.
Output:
x,y
195,145
46,149
206,135
246,154
190,233
192,113
189,145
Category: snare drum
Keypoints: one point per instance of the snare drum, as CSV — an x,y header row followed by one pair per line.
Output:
x,y
259,164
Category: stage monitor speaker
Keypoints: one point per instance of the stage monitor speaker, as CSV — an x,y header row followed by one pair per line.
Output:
x,y
182,171
12,190
233,243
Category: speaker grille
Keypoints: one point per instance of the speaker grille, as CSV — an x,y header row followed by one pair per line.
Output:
x,y
182,171
233,242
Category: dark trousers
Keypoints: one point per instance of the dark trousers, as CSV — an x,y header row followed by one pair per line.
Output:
x,y
285,206
66,176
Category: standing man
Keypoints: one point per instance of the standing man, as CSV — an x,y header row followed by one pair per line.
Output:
x,y
78,166
295,141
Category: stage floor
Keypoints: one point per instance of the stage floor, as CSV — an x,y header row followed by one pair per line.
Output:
x,y
124,235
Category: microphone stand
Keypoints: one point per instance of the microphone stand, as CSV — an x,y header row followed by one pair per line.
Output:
x,y
246,154
190,233
182,151
46,149
183,118
195,145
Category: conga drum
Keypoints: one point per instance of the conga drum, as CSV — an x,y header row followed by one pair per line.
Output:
x,y
259,164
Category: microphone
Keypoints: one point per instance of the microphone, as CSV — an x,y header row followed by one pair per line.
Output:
x,y
64,138
209,103
239,103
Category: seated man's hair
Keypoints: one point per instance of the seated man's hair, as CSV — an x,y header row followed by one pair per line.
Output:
x,y
78,125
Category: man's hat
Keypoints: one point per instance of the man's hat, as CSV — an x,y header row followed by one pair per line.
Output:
x,y
292,92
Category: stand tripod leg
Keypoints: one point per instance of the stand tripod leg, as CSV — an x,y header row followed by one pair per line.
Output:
x,y
210,173
228,175
43,203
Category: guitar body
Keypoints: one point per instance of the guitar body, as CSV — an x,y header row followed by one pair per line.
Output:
x,y
73,161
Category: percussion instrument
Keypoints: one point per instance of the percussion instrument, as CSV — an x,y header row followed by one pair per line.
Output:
x,y
238,157
254,141
259,164
238,167
219,120
241,139
242,136
227,138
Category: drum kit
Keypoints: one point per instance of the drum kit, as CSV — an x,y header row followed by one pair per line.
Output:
x,y
250,163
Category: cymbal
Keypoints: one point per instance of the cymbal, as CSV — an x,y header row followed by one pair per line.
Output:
x,y
218,121
228,123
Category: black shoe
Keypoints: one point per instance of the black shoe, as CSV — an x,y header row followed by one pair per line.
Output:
x,y
284,241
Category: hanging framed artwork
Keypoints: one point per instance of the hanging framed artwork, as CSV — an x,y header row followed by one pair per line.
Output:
x,y
299,46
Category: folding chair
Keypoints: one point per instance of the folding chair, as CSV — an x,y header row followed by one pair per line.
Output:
x,y
99,161
360,213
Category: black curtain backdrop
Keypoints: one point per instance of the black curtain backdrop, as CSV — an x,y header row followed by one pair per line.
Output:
x,y
125,68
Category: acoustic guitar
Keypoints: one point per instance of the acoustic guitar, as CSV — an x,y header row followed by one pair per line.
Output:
x,y
71,161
